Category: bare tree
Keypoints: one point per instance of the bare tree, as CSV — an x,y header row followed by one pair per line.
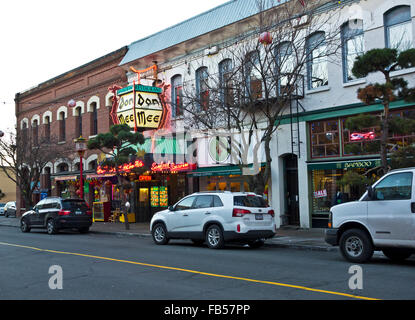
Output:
x,y
257,81
23,157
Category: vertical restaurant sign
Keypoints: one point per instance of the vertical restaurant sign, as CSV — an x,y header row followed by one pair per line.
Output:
x,y
139,106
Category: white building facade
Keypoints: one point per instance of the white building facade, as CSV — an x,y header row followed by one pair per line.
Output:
x,y
311,148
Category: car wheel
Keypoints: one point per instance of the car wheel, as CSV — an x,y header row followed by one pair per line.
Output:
x,y
397,254
84,230
356,246
214,237
256,243
6,215
51,227
24,226
159,234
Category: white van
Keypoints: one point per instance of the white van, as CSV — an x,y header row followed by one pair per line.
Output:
x,y
382,219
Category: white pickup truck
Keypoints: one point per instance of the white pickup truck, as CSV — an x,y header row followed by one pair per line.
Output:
x,y
382,219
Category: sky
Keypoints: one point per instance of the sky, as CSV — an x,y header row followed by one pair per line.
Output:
x,y
43,39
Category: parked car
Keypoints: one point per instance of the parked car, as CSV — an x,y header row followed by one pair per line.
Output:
x,y
382,219
10,209
55,213
217,218
2,209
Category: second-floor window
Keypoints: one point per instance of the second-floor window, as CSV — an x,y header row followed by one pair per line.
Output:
x,y
253,75
202,87
47,128
398,28
62,126
225,82
317,68
352,46
94,119
285,65
78,117
35,132
176,96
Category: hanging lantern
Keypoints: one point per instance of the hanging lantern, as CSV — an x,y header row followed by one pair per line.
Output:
x,y
265,38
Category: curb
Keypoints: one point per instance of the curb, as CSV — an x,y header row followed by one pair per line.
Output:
x,y
267,244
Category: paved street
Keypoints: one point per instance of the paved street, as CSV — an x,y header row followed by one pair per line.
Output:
x,y
97,266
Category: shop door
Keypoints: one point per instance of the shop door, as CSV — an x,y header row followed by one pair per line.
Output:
x,y
291,189
144,210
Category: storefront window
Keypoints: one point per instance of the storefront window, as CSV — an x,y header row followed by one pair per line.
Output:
x,y
325,139
360,142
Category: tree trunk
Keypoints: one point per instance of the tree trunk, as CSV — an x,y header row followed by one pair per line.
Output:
x,y
125,210
384,139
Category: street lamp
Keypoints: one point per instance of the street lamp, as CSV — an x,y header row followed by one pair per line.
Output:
x,y
80,147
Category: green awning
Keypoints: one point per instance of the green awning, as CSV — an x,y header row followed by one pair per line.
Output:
x,y
166,146
216,171
355,164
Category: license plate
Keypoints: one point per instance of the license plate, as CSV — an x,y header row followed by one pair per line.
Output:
x,y
259,216
78,212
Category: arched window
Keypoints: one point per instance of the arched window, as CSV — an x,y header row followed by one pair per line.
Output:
x,y
253,75
317,69
35,132
398,28
63,167
78,127
202,87
62,126
94,119
47,128
176,96
352,46
93,165
225,81
285,65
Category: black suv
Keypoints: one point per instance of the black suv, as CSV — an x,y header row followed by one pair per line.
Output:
x,y
56,213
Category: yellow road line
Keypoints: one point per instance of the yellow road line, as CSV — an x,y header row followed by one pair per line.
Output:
x,y
192,271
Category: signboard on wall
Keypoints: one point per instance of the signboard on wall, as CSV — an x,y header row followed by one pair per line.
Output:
x,y
140,107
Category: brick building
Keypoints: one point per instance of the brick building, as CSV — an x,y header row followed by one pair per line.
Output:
x,y
44,111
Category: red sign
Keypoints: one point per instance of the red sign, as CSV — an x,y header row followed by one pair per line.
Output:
x,y
172,167
123,168
144,178
357,136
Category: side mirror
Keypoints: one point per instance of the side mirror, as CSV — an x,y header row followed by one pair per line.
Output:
x,y
171,208
370,192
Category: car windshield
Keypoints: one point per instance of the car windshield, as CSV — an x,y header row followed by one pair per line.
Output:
x,y
74,204
250,201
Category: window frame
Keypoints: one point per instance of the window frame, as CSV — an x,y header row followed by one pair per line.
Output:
x,y
202,78
176,83
316,41
398,15
348,34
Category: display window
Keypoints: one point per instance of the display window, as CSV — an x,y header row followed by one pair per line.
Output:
x,y
325,139
327,135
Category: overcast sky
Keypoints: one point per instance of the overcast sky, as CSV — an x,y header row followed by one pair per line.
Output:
x,y
45,38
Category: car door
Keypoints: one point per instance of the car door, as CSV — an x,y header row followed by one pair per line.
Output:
x,y
389,211
35,217
201,209
177,219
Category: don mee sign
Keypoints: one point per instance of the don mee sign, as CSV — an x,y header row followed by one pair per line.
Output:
x,y
139,106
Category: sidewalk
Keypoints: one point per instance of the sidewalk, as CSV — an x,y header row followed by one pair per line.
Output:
x,y
286,237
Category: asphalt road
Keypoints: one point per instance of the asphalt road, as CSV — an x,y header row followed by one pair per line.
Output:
x,y
110,267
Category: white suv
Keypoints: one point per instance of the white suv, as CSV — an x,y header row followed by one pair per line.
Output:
x,y
382,219
216,217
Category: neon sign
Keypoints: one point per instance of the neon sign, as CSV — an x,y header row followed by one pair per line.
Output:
x,y
358,136
171,167
125,168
